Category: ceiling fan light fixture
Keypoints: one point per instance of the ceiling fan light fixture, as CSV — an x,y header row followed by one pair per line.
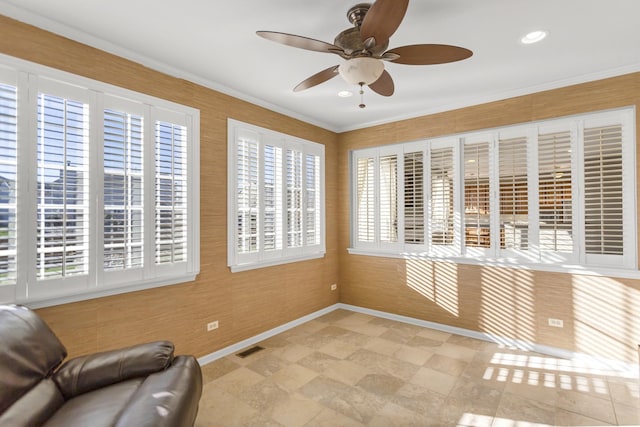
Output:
x,y
365,70
534,37
345,94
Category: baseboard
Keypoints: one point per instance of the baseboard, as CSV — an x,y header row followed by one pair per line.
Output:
x,y
593,363
234,348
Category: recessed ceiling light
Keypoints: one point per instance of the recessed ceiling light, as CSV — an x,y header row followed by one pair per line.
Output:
x,y
534,37
344,94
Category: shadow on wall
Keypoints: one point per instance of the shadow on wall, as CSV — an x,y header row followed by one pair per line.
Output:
x,y
601,315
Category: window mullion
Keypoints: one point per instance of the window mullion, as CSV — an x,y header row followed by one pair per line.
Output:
x,y
96,184
149,195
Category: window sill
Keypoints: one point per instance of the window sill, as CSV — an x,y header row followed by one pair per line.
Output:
x,y
106,291
506,263
272,262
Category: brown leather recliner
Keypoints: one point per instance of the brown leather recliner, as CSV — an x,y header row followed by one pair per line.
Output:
x,y
142,385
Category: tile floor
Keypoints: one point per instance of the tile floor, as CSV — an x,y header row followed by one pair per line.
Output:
x,y
351,369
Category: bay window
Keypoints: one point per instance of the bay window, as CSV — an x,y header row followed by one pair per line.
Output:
x,y
554,195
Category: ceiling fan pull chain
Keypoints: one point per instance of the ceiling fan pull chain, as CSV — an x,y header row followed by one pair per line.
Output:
x,y
362,105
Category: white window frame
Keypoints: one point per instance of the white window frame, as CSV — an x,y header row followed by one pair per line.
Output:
x,y
533,258
30,79
241,261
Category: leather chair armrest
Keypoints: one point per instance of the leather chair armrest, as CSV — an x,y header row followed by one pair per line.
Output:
x,y
85,373
166,399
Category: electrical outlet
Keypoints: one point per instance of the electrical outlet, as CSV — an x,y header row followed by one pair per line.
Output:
x,y
556,323
212,325
334,287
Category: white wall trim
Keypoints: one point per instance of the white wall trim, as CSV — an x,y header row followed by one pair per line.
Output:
x,y
605,366
211,357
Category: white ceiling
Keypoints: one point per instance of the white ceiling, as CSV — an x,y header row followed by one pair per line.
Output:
x,y
213,42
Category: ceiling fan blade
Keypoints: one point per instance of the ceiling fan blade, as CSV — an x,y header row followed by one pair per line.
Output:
x,y
300,42
428,54
384,85
317,78
382,20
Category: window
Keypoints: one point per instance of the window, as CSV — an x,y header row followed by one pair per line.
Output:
x,y
113,173
276,198
552,195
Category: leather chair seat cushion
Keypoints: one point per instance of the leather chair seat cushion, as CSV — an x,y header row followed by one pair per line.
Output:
x,y
35,407
98,408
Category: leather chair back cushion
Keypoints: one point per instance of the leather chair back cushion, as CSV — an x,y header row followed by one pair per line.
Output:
x,y
29,352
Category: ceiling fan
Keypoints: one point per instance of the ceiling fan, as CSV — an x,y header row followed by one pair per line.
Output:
x,y
364,47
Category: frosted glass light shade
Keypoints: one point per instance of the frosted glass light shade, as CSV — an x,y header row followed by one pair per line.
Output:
x,y
361,70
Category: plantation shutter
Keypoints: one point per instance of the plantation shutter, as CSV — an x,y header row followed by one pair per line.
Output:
x,y
62,188
272,200
414,198
555,193
171,193
8,183
123,191
294,199
477,206
388,170
514,203
603,190
441,196
365,203
312,196
247,164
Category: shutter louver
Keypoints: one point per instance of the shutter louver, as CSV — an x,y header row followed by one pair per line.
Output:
x,y
272,220
388,198
313,199
414,198
62,187
294,199
366,199
171,193
123,191
603,190
514,203
441,196
8,181
554,188
477,208
247,193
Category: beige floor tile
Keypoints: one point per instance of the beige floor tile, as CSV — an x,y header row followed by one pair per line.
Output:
x,y
264,396
330,418
381,385
568,418
533,391
317,361
434,380
627,415
218,368
434,334
345,371
520,409
412,355
267,365
293,352
293,377
456,351
339,349
626,392
418,399
383,346
590,406
379,363
296,411
219,408
393,415
367,329
238,381
354,319
447,365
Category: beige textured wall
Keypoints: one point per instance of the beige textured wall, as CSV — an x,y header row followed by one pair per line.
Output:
x,y
245,303
601,315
